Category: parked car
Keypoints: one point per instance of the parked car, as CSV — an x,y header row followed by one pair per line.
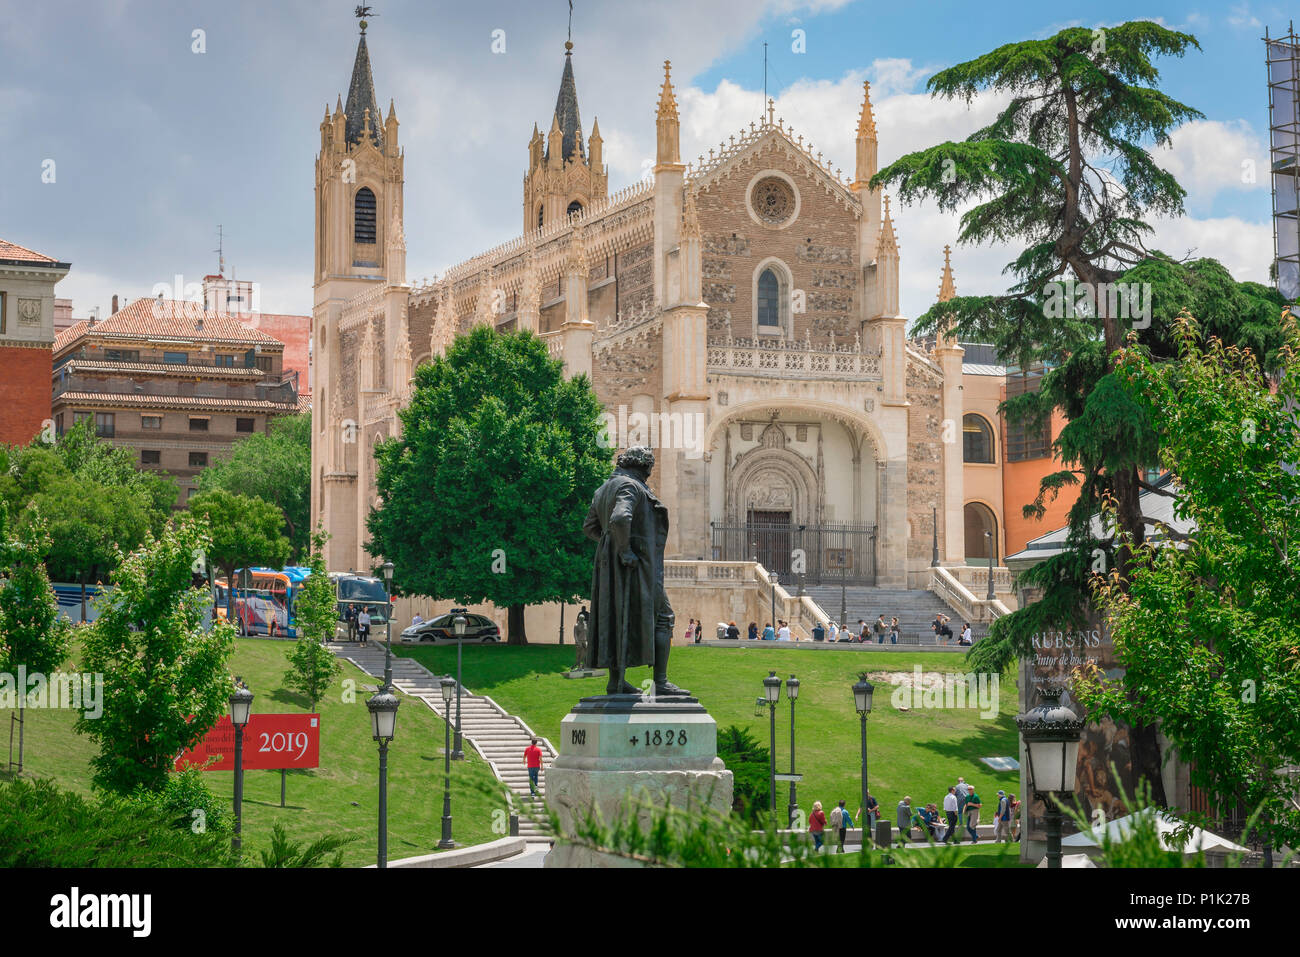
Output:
x,y
441,629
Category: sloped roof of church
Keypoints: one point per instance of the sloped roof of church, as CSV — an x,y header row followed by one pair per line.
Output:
x,y
361,97
566,111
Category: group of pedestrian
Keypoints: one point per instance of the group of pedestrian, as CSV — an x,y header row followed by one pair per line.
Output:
x,y
358,621
943,630
962,806
867,633
780,633
695,632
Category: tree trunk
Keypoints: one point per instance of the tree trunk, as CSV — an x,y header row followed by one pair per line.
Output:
x,y
22,720
83,598
230,593
515,626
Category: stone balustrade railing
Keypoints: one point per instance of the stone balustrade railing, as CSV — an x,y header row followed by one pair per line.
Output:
x,y
779,357
946,585
554,343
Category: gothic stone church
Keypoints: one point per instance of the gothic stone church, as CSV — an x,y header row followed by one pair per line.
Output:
x,y
753,294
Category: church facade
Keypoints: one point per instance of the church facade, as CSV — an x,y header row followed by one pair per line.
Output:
x,y
739,313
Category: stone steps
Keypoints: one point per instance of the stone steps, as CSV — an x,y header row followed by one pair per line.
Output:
x,y
485,728
914,608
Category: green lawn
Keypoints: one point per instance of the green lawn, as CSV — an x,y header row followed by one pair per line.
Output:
x,y
341,796
918,752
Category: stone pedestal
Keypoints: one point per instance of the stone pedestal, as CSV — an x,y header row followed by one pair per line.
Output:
x,y
623,754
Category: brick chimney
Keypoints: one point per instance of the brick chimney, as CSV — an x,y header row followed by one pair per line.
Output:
x,y
114,304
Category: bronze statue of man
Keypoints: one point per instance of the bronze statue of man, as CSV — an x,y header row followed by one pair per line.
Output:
x,y
631,620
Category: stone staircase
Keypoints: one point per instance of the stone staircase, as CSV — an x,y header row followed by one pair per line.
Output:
x,y
914,608
485,726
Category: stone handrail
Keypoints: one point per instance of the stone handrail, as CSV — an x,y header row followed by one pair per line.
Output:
x,y
976,578
554,343
948,587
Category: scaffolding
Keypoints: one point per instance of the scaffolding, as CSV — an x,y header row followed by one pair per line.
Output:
x,y
1283,58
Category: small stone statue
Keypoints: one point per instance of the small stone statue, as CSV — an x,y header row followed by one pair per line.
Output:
x,y
580,638
631,620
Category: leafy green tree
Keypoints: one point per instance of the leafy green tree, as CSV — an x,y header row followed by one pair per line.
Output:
x,y
32,635
244,531
313,666
748,761
165,676
1066,168
1209,632
276,467
484,494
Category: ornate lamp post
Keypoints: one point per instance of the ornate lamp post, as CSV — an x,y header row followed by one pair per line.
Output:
x,y
862,692
934,524
241,707
792,692
383,725
772,692
448,689
1051,732
388,639
458,626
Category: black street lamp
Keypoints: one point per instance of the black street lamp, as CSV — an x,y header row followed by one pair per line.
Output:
x,y
989,536
448,688
458,626
388,641
383,725
772,692
934,523
792,692
1051,732
862,692
241,707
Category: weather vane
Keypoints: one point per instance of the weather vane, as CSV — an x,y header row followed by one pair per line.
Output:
x,y
361,13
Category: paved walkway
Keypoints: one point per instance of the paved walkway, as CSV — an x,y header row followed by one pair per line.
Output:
x,y
485,726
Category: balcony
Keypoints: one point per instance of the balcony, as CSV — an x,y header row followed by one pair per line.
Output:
x,y
281,389
791,358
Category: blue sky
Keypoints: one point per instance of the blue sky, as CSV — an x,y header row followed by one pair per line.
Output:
x,y
155,144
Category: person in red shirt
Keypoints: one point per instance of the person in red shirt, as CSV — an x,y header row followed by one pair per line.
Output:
x,y
533,758
817,824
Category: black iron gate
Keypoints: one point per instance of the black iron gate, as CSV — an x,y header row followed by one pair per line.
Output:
x,y
825,554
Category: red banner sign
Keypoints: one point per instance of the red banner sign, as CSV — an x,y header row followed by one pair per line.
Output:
x,y
271,742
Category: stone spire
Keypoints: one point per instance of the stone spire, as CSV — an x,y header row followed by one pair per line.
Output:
x,y
361,96
866,142
947,288
595,147
888,244
690,217
566,112
667,124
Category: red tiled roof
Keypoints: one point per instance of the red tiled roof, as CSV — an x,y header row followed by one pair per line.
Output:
x,y
10,250
163,368
167,319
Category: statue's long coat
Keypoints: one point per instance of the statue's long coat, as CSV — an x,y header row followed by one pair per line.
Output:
x,y
627,601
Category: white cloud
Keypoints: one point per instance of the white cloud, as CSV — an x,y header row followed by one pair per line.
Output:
x,y
1209,156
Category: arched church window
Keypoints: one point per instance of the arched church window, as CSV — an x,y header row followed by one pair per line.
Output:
x,y
364,216
769,299
541,215
977,439
575,207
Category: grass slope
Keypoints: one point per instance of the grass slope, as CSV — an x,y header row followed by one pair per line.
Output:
x,y
342,795
918,752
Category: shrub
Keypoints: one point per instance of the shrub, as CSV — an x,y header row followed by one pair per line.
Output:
x,y
749,764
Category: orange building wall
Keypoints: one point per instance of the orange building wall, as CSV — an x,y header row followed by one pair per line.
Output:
x,y
1020,482
24,393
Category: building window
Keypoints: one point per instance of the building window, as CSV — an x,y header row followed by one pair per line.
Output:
x,y
151,421
176,358
263,363
243,425
58,424
79,417
769,300
541,215
977,439
104,425
1025,442
575,207
224,361
150,457
198,423
198,460
981,533
364,210
122,355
